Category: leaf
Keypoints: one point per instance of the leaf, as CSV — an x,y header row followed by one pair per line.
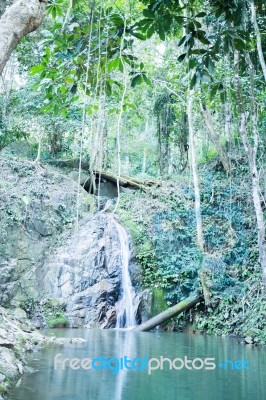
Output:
x,y
182,57
121,65
179,19
130,105
199,51
192,63
200,35
184,39
150,31
56,109
144,23
36,69
239,44
193,81
63,89
69,80
108,88
190,27
161,32
148,13
117,20
138,35
147,80
201,15
113,64
59,11
53,12
137,80
74,88
223,96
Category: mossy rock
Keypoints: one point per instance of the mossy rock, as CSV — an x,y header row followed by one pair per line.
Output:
x,y
158,301
58,321
2,389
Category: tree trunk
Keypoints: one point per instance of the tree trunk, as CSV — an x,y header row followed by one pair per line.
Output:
x,y
258,37
169,313
200,240
195,173
21,18
227,123
215,138
251,151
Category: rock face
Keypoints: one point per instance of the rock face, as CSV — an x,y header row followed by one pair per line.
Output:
x,y
36,207
46,267
86,273
17,337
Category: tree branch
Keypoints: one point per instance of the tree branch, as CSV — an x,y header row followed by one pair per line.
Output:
x,y
21,18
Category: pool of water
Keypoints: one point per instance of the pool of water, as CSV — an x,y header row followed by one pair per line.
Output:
x,y
227,381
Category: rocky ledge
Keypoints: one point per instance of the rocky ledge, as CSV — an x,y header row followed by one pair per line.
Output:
x,y
17,337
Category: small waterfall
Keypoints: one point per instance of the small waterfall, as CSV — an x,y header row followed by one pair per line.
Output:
x,y
125,312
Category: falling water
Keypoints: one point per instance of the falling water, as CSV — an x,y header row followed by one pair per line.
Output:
x,y
125,314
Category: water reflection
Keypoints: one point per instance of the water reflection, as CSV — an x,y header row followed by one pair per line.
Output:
x,y
48,384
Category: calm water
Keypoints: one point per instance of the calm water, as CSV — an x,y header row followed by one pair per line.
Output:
x,y
46,383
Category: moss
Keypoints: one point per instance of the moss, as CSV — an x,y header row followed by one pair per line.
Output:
x,y
158,301
2,389
57,321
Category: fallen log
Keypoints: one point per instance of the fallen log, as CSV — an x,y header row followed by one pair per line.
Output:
x,y
124,181
171,312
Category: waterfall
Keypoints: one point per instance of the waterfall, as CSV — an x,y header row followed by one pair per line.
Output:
x,y
125,311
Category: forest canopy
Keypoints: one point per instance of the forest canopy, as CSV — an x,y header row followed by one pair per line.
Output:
x,y
153,88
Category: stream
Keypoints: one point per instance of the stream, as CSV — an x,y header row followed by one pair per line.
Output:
x,y
48,383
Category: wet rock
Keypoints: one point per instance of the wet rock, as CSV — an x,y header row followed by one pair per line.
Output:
x,y
6,343
19,315
86,273
78,340
143,305
110,321
249,340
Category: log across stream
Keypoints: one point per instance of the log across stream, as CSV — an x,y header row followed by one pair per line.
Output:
x,y
171,312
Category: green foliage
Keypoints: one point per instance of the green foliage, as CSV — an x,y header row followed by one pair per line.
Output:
x,y
145,252
86,56
158,301
54,314
57,321
165,246
208,155
222,29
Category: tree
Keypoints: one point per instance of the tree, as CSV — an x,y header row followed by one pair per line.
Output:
x,y
251,148
19,20
258,37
